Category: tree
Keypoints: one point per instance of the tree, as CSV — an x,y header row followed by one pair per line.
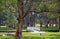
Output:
x,y
52,14
24,11
42,9
10,13
8,9
58,11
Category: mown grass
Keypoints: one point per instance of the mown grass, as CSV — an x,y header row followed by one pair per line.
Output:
x,y
27,35
46,34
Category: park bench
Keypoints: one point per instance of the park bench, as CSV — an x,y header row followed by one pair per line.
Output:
x,y
34,30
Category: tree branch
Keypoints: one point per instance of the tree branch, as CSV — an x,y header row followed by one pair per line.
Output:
x,y
27,12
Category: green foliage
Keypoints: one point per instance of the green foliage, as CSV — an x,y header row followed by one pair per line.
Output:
x,y
42,6
52,15
9,9
49,28
58,3
32,4
53,7
2,6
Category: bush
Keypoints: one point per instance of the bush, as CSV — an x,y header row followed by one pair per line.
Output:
x,y
50,29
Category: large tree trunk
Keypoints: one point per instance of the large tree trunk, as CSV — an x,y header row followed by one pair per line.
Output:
x,y
21,12
19,29
58,22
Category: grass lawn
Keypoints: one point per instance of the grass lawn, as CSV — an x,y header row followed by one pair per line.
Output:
x,y
27,35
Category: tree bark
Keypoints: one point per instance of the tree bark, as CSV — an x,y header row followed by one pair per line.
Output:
x,y
58,22
41,24
47,24
21,12
19,29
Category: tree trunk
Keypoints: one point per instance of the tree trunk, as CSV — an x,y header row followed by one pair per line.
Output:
x,y
19,29
47,24
50,25
20,4
59,23
41,24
